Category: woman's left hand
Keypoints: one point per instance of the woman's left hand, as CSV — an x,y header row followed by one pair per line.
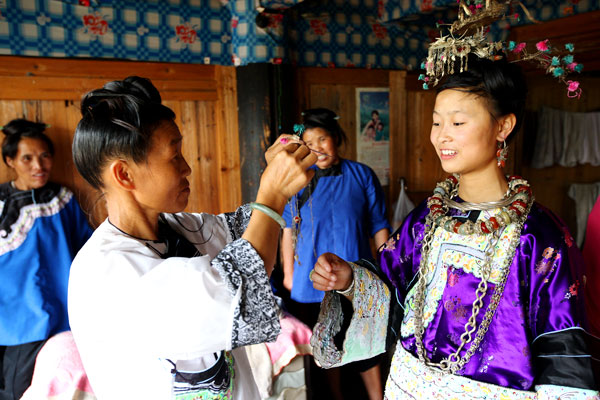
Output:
x,y
331,273
284,142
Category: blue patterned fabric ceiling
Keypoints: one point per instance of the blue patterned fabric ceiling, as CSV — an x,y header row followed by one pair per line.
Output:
x,y
340,33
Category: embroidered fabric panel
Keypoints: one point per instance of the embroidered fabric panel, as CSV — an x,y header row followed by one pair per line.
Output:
x,y
452,256
237,221
216,383
28,214
552,392
366,335
411,379
255,317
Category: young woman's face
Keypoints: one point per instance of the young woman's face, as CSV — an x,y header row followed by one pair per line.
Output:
x,y
464,132
318,139
161,183
32,163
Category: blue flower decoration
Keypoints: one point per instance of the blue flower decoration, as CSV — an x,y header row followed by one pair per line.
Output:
x,y
299,129
579,67
569,46
511,45
558,72
555,61
568,59
425,86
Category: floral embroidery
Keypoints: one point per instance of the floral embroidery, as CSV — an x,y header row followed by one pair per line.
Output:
x,y
454,306
380,31
95,25
186,34
318,27
549,259
572,290
464,254
452,277
370,315
390,244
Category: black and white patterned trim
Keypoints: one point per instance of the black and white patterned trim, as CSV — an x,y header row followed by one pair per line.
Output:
x,y
237,221
255,317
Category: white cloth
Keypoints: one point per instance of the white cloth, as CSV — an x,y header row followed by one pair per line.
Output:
x,y
130,310
567,138
403,207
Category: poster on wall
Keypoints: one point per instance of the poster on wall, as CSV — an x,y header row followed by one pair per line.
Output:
x,y
373,130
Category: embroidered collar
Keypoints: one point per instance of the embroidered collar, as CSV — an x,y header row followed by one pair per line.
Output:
x,y
15,199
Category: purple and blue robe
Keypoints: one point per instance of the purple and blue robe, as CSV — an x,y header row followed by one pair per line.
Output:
x,y
536,347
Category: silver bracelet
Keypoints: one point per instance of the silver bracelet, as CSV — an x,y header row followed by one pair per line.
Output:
x,y
347,291
270,212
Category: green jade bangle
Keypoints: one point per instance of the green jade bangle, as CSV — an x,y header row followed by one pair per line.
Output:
x,y
270,212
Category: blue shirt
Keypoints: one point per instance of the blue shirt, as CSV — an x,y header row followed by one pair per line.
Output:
x,y
345,208
41,230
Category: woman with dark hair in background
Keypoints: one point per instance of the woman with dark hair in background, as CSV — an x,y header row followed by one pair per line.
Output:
x,y
162,301
41,230
484,284
342,207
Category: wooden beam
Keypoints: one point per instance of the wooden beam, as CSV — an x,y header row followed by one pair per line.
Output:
x,y
228,140
106,69
50,88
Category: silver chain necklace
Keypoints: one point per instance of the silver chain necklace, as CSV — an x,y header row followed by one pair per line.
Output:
x,y
454,362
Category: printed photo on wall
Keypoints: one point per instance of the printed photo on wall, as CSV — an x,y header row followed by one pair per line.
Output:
x,y
373,132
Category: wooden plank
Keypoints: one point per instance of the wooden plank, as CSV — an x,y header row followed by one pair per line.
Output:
x,y
65,88
104,69
228,141
340,99
424,169
344,76
208,173
54,114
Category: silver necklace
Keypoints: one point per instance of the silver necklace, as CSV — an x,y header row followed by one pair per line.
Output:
x,y
455,362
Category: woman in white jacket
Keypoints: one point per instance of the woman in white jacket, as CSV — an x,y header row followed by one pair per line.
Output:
x,y
162,302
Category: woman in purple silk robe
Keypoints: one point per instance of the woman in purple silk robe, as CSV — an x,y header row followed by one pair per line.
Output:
x,y
481,289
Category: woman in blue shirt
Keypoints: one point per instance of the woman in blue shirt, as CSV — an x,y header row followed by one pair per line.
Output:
x,y
41,230
341,208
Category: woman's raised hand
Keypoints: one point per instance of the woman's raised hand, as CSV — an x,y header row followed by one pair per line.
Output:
x,y
284,142
331,273
288,166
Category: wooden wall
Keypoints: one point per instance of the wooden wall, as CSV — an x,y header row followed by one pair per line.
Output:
x,y
334,88
412,156
203,97
550,185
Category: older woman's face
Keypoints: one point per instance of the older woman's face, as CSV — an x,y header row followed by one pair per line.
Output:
x,y
318,139
32,163
161,183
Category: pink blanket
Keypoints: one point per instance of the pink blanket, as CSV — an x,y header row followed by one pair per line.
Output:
x,y
293,340
58,373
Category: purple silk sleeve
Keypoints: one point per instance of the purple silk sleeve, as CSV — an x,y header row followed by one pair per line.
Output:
x,y
542,295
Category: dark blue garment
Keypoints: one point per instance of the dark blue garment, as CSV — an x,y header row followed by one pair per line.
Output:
x,y
345,208
41,230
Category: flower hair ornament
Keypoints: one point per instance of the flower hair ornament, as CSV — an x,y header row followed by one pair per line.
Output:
x,y
467,35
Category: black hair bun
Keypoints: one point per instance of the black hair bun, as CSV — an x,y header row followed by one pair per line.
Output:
x,y
131,92
20,126
319,116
